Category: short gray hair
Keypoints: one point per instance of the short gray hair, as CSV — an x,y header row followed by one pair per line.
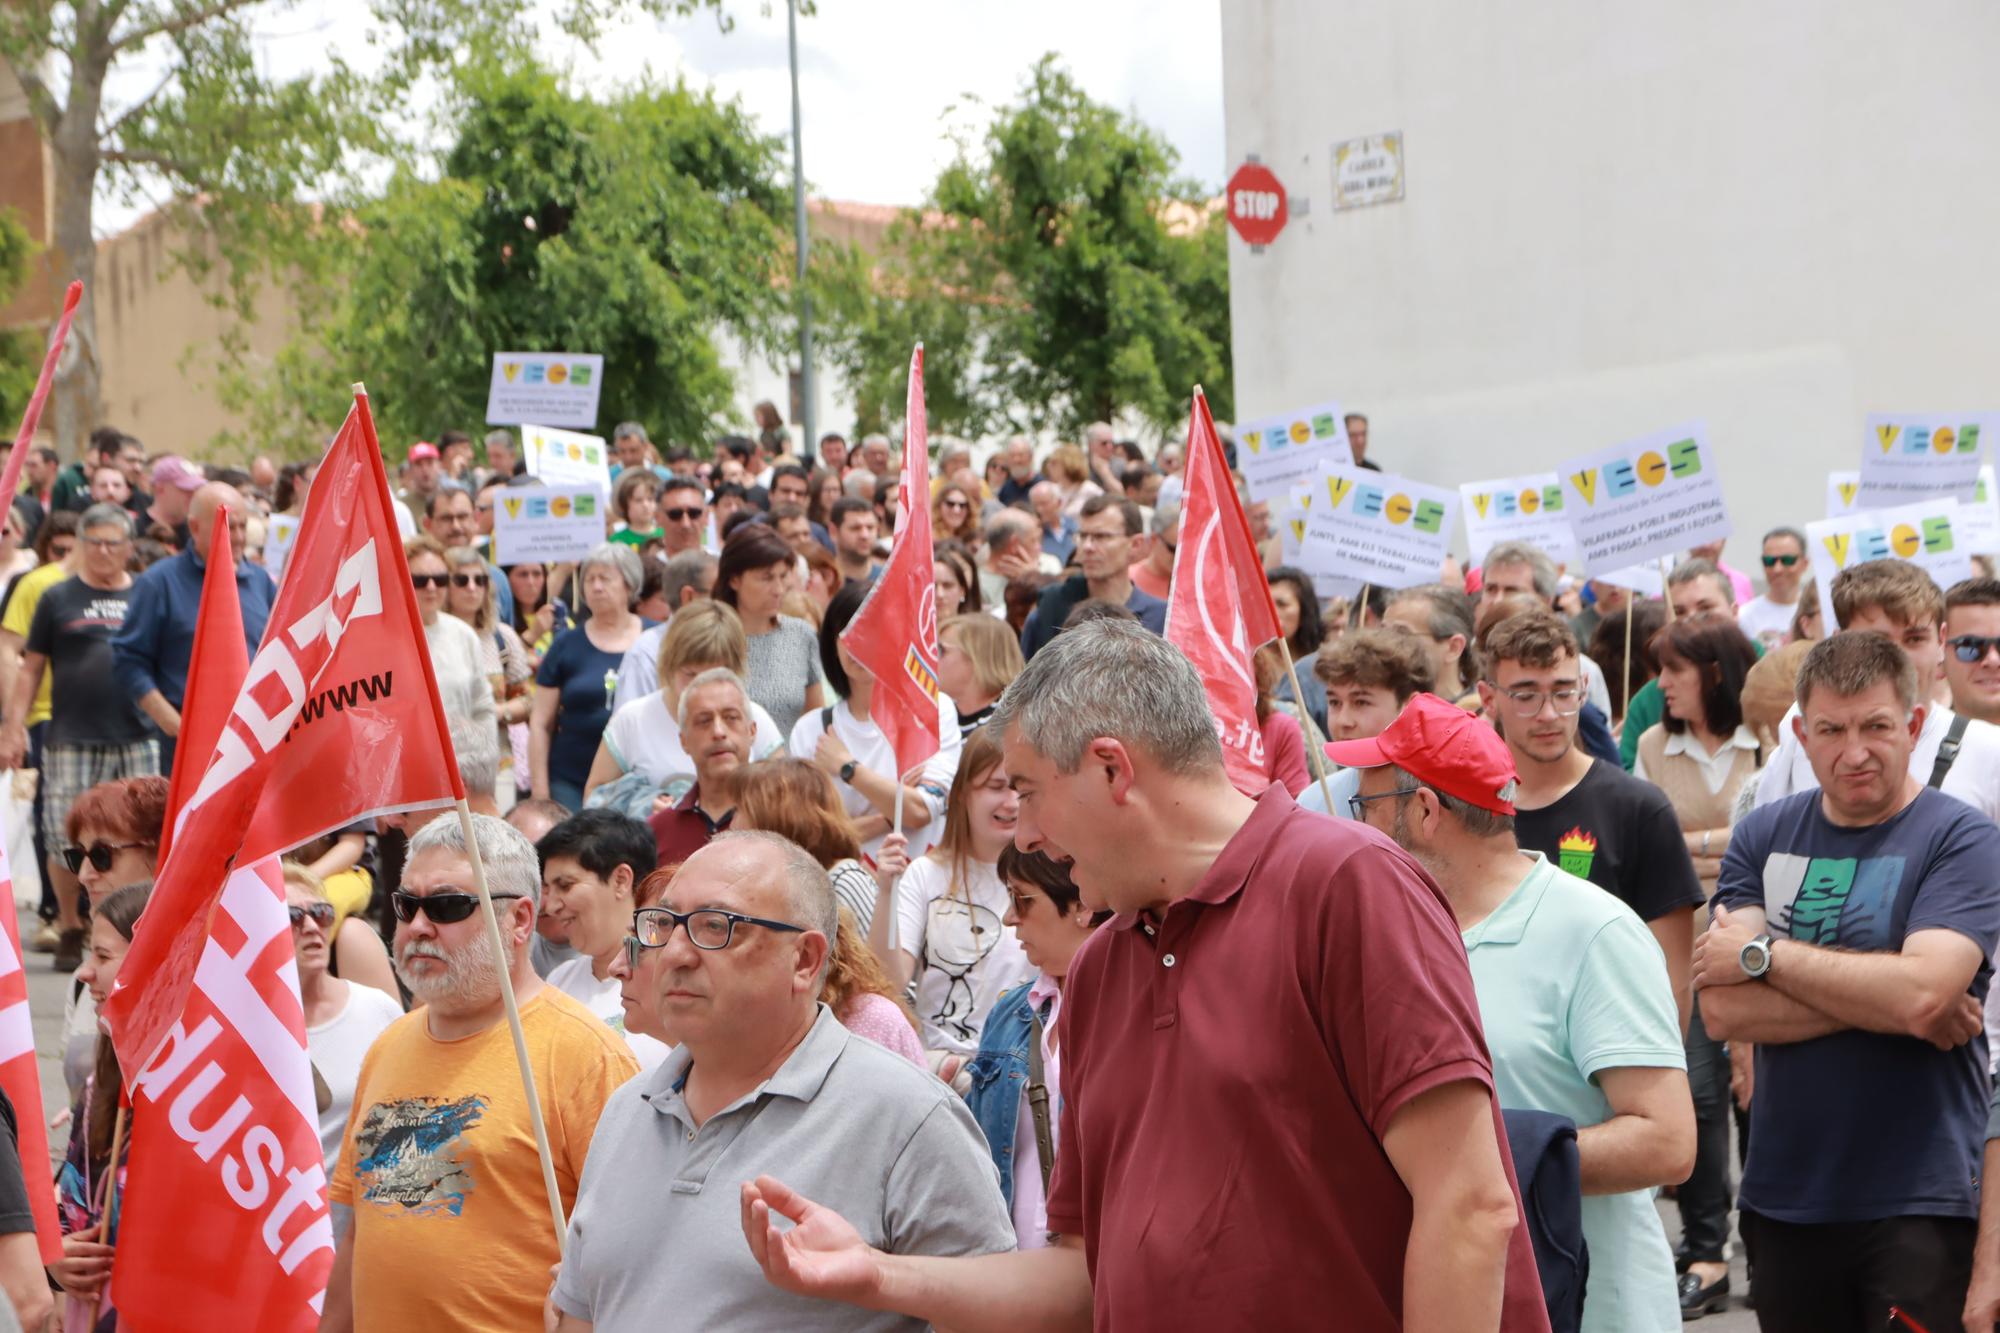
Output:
x,y
477,745
106,516
875,437
1540,567
1008,526
1111,678
1166,517
502,437
808,888
621,558
684,571
511,864
626,430
712,676
860,484
1687,571
1476,820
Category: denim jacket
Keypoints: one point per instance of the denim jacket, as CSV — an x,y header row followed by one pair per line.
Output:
x,y
1000,1080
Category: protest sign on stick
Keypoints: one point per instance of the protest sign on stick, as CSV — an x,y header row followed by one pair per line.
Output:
x,y
554,388
566,458
1274,452
1382,529
1926,533
1518,509
546,524
1910,456
1653,496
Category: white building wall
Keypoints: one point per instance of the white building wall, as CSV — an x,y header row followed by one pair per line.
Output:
x,y
1775,216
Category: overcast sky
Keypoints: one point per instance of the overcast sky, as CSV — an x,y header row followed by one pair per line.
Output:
x,y
879,79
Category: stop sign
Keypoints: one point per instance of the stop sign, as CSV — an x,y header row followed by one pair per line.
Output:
x,y
1257,207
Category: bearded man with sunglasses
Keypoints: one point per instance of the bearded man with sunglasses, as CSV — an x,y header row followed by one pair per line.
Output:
x,y
439,1205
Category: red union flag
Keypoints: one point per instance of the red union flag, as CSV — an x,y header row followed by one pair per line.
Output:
x,y
894,634
19,1075
1219,608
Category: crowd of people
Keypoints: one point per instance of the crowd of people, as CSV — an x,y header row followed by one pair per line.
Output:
x,y
1555,900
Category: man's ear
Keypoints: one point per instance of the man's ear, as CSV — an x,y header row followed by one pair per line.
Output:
x,y
1107,759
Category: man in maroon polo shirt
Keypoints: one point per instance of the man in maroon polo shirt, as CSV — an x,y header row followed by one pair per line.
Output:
x,y
716,731
1278,1107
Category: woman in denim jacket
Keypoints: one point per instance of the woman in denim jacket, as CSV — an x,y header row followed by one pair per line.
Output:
x,y
1051,923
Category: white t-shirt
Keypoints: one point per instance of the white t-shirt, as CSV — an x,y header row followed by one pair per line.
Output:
x,y
643,737
871,750
1765,620
575,979
965,958
336,1047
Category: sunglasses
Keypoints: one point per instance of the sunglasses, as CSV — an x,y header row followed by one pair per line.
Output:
x,y
1972,647
1786,560
680,515
953,504
444,909
99,854
468,580
430,580
321,913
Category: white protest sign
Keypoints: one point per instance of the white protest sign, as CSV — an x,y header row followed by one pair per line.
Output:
x,y
1979,517
1653,496
1843,493
565,458
556,388
1646,580
1519,509
1290,516
1272,453
280,530
1379,528
1927,533
536,524
1913,456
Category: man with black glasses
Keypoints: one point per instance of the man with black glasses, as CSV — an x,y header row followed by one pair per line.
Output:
x,y
438,1200
1588,816
764,1079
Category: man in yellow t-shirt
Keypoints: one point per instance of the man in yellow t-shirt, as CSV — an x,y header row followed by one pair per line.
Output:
x,y
439,1204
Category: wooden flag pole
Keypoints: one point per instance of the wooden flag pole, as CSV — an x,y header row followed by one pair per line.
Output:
x,y
1631,605
895,885
107,1200
504,956
1314,751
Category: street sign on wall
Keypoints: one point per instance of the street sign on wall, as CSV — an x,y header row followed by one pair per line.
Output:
x,y
1257,205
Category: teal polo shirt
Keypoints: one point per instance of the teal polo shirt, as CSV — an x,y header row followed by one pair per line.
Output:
x,y
1570,982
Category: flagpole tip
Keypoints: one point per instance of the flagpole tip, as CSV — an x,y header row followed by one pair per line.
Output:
x,y
360,388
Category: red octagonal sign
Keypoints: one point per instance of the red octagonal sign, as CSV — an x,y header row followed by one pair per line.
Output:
x,y
1257,207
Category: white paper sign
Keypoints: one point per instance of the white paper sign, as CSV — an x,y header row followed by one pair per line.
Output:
x,y
280,530
533,524
1653,496
1290,516
1273,453
565,458
1519,509
556,388
1843,493
1646,580
1979,517
1927,533
1379,528
1913,456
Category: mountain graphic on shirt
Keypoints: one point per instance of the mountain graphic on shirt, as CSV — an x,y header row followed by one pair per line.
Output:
x,y
1576,851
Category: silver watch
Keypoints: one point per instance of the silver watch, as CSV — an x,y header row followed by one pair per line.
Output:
x,y
1755,957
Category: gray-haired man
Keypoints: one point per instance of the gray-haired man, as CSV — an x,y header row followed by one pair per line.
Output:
x,y
765,1078
717,728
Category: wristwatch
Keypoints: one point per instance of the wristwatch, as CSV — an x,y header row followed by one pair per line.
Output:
x,y
1756,957
847,772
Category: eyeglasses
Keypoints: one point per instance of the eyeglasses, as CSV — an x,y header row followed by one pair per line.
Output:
x,y
430,580
1786,560
99,854
953,504
468,580
107,543
1568,701
707,927
1358,805
1972,647
1096,538
444,909
680,515
321,913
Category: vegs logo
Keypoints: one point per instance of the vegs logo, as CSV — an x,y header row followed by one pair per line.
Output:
x,y
543,506
1319,427
1393,507
1616,480
1916,439
1517,504
1930,536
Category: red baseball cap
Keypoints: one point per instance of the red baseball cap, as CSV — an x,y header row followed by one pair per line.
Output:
x,y
1442,746
423,449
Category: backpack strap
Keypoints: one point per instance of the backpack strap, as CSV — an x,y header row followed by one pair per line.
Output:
x,y
1038,1100
1947,754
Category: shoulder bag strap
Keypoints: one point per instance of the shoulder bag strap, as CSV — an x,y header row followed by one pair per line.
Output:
x,y
1038,1101
1947,754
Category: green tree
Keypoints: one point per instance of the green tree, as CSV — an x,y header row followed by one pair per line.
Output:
x,y
1059,272
20,351
636,227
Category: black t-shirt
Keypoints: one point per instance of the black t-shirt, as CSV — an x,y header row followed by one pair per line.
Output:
x,y
73,627
15,1213
1622,835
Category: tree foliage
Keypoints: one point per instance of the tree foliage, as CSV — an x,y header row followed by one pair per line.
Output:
x,y
1059,272
636,227
20,351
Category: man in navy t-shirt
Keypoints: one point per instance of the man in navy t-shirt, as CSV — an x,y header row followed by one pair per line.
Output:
x,y
1852,941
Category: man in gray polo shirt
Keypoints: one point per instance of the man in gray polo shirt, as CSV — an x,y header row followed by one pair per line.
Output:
x,y
764,1079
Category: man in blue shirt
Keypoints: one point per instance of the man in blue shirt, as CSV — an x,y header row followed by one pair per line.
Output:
x,y
1107,540
1852,941
150,654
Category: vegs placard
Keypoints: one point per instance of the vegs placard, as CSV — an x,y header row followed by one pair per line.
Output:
x,y
1653,496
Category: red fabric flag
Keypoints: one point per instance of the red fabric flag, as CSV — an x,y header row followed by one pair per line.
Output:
x,y
1219,609
215,673
19,1075
894,634
24,438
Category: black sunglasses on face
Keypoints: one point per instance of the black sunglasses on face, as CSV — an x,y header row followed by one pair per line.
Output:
x,y
321,913
680,515
99,854
444,909
430,580
468,580
1972,647
1786,560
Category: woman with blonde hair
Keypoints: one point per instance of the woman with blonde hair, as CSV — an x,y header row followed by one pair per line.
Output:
x,y
463,686
1070,472
978,658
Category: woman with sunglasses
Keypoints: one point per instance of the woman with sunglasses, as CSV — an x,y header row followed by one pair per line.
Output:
x,y
113,842
502,656
88,1244
955,514
342,1019
462,682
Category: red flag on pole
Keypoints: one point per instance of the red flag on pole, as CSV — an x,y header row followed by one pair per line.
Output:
x,y
1219,609
215,673
894,634
19,1076
24,438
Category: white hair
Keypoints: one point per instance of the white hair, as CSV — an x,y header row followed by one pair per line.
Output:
x,y
712,676
1111,678
509,858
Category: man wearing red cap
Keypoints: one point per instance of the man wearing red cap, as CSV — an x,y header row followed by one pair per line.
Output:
x,y
421,476
1578,1010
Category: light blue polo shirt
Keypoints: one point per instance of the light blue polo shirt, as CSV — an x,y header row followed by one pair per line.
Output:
x,y
1571,982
